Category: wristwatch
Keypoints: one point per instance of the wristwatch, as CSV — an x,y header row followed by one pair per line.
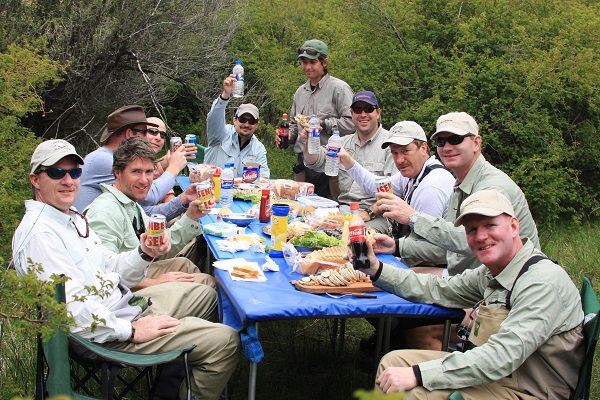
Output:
x,y
145,257
413,218
371,214
132,334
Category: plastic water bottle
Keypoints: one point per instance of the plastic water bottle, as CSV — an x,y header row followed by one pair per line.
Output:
x,y
332,161
314,136
238,71
227,185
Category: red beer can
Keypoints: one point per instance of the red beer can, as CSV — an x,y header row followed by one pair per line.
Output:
x,y
205,195
156,231
383,184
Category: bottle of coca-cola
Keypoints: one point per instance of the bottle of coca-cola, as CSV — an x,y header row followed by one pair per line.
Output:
x,y
358,238
284,132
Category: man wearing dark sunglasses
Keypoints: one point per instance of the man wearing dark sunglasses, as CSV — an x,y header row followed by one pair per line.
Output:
x,y
121,124
459,147
328,98
60,241
365,145
234,143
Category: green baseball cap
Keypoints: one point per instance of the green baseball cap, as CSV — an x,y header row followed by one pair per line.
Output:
x,y
312,49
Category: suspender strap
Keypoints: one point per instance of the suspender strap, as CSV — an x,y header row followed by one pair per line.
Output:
x,y
525,268
428,169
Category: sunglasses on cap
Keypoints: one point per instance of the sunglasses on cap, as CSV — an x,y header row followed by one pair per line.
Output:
x,y
245,120
453,140
59,173
308,50
368,109
155,131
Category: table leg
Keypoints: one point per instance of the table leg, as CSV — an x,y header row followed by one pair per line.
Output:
x,y
252,376
446,337
342,334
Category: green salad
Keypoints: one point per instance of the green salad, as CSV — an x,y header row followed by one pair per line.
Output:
x,y
316,239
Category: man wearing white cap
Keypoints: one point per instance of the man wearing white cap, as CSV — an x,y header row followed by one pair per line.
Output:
x,y
459,147
422,181
59,239
235,143
525,333
366,145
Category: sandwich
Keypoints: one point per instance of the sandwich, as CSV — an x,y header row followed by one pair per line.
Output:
x,y
244,271
328,257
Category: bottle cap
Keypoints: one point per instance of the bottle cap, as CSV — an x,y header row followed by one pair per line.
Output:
x,y
336,132
354,205
217,172
284,116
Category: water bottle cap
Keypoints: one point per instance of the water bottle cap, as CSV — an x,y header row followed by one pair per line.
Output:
x,y
228,165
336,132
238,62
313,116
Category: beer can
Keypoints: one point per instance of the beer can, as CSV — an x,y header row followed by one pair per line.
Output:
x,y
205,195
156,231
383,184
175,143
191,139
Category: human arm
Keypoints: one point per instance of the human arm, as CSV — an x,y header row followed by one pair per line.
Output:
x,y
397,379
342,119
176,206
153,326
216,131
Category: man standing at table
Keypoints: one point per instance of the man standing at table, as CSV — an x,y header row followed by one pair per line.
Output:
x,y
526,328
234,143
329,99
366,145
59,238
119,220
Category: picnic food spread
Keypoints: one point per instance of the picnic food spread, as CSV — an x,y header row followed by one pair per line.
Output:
x,y
322,259
336,280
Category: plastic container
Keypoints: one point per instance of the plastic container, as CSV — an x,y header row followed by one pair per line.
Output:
x,y
238,71
314,136
227,177
284,132
279,221
357,235
332,161
216,180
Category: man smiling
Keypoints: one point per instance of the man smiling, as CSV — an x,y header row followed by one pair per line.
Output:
x,y
119,220
234,143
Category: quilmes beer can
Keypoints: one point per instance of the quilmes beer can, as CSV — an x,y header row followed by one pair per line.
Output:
x,y
205,195
156,231
175,143
191,139
383,184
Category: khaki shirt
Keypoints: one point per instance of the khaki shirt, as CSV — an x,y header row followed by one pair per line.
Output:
x,y
438,241
541,338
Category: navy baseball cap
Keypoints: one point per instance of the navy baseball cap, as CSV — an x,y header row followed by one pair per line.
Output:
x,y
366,96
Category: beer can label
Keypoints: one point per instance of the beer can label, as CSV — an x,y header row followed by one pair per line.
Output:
x,y
383,184
154,242
205,195
156,231
175,143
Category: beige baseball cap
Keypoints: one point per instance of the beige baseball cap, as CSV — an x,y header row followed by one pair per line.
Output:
x,y
247,109
489,203
458,123
52,151
404,133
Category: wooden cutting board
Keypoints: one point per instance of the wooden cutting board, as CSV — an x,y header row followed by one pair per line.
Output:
x,y
357,287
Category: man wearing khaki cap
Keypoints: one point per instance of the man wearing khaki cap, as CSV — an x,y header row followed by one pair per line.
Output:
x,y
234,143
459,146
525,333
122,124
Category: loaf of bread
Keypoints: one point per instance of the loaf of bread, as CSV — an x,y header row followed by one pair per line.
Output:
x,y
320,258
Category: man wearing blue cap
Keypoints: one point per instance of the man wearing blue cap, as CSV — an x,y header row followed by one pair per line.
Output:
x,y
329,99
365,146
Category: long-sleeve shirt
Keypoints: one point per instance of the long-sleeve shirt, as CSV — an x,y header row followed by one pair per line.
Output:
x,y
445,243
54,240
97,169
224,143
330,101
541,338
430,196
111,216
376,160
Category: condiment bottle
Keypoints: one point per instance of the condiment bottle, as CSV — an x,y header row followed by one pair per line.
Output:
x,y
345,229
216,180
265,205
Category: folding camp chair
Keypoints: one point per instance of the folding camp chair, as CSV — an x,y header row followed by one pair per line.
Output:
x,y
591,332
101,368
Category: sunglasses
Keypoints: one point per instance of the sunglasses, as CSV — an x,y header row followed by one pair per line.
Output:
x,y
142,131
245,120
368,109
59,173
453,140
309,51
155,131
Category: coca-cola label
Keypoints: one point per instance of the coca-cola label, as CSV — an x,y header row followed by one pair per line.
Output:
x,y
332,151
357,233
283,132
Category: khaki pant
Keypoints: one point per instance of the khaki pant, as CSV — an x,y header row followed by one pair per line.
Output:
x,y
180,264
216,354
407,358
